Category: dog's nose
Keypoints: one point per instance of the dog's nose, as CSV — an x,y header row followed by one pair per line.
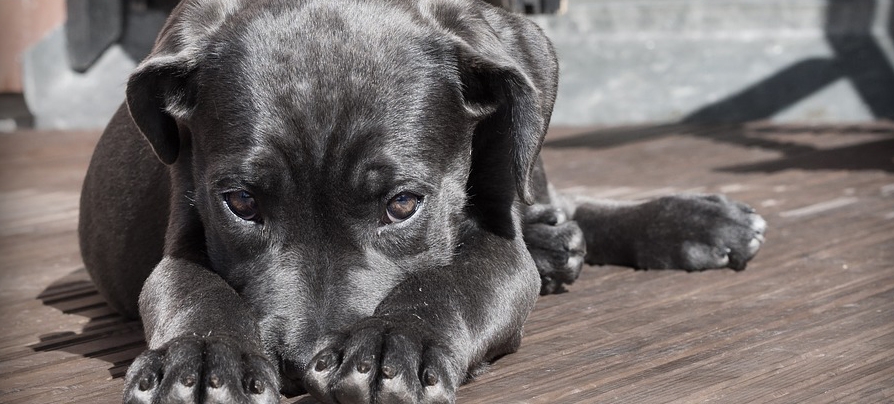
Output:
x,y
292,378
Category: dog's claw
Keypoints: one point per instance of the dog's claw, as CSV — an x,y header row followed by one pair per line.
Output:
x,y
388,372
322,364
364,366
255,386
146,383
430,378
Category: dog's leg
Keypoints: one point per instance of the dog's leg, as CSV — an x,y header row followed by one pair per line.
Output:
x,y
199,332
125,203
432,329
690,232
204,344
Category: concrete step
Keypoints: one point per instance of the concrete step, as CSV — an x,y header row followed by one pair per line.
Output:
x,y
646,61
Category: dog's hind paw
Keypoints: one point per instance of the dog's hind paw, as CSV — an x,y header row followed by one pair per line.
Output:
x,y
557,246
201,369
699,232
379,362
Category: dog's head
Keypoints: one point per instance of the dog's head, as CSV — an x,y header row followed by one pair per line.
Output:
x,y
322,151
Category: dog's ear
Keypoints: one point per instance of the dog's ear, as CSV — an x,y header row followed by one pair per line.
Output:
x,y
160,92
508,71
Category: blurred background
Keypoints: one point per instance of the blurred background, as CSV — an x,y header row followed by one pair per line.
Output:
x,y
64,63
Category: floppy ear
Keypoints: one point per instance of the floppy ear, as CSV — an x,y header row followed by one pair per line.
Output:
x,y
161,90
158,93
508,71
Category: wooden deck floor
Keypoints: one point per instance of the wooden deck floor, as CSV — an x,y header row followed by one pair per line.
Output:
x,y
810,320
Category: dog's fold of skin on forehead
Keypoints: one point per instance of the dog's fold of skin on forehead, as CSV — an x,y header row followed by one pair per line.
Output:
x,y
345,198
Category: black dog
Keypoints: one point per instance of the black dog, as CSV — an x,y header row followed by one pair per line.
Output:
x,y
345,198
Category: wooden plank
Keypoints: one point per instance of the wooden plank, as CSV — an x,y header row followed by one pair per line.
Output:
x,y
810,320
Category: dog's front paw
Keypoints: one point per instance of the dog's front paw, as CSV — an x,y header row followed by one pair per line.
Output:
x,y
383,362
698,232
202,369
557,246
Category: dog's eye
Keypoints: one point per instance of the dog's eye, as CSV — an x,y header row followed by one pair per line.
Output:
x,y
401,207
242,204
